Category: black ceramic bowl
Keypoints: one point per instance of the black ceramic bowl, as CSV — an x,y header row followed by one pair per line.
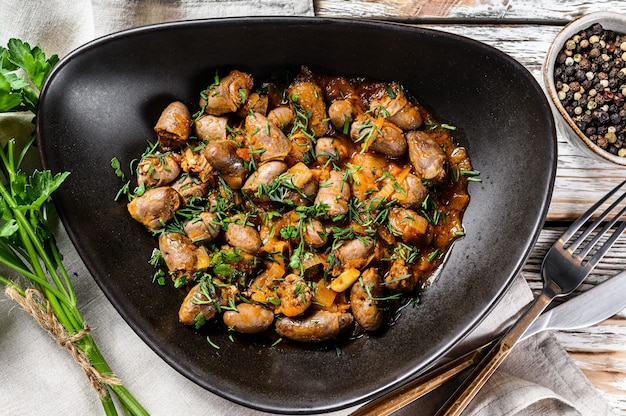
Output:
x,y
103,99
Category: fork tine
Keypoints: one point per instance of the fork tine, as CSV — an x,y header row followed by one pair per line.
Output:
x,y
576,225
583,252
605,247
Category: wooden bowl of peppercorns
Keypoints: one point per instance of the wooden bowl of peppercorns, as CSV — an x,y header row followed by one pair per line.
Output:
x,y
585,77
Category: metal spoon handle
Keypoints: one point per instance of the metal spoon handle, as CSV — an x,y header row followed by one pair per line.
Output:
x,y
490,363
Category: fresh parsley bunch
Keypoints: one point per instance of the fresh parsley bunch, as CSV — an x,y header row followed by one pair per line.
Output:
x,y
28,247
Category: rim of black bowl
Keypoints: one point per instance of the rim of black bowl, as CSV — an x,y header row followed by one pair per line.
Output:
x,y
381,25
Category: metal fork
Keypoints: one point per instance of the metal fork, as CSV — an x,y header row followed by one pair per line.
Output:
x,y
568,262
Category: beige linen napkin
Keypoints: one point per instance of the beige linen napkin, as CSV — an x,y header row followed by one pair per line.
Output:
x,y
38,377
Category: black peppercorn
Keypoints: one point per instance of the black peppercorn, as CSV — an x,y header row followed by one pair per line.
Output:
x,y
615,118
596,29
584,64
601,117
595,52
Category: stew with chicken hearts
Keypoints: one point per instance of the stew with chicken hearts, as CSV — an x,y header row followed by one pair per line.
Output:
x,y
313,207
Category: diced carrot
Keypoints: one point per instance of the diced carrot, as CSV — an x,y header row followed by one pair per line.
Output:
x,y
243,153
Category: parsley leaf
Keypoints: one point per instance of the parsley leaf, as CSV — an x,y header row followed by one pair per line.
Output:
x,y
33,191
16,94
33,61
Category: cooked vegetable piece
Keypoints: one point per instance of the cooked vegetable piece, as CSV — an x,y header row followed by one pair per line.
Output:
x,y
345,280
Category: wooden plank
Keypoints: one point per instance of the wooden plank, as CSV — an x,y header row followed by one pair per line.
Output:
x,y
412,10
600,352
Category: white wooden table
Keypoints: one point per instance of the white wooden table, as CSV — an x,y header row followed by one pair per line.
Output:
x,y
524,30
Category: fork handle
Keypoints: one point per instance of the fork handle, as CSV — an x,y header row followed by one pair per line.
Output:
x,y
412,391
496,355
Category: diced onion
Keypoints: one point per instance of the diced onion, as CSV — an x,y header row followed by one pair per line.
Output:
x,y
301,174
323,295
203,258
311,259
388,189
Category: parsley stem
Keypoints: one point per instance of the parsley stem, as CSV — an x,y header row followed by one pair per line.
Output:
x,y
35,250
27,245
59,294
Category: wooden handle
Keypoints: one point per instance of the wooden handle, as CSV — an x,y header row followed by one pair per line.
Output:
x,y
488,365
412,391
476,380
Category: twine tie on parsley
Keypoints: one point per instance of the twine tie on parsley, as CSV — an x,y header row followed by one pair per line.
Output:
x,y
39,308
